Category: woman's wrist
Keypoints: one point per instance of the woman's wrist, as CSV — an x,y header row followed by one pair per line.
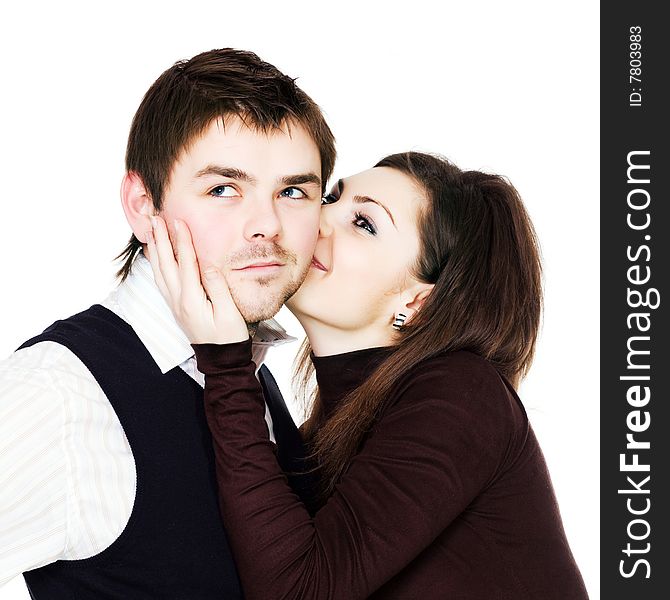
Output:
x,y
212,358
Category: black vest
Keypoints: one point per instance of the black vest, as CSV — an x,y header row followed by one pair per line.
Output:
x,y
174,546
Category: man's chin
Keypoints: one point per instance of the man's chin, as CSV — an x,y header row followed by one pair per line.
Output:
x,y
254,315
260,306
261,300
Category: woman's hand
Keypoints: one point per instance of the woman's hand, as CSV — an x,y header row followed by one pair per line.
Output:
x,y
198,295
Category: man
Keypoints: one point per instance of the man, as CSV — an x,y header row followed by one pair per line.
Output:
x,y
107,485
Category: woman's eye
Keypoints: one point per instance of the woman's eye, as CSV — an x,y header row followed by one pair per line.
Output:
x,y
223,191
363,222
329,198
293,192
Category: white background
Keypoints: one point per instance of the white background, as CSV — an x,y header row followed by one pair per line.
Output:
x,y
510,87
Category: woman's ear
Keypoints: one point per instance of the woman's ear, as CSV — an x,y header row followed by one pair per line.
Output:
x,y
421,292
137,205
414,298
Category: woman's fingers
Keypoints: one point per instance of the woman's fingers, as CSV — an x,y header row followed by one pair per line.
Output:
x,y
186,288
189,274
217,289
229,323
165,257
152,255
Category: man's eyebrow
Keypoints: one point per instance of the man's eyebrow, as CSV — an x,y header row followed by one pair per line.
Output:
x,y
228,172
301,179
363,199
239,175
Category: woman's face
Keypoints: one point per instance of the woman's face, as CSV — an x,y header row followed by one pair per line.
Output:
x,y
362,268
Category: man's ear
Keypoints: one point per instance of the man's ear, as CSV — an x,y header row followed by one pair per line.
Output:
x,y
137,205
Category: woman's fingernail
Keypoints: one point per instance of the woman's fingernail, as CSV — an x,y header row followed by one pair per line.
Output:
x,y
176,224
153,220
210,273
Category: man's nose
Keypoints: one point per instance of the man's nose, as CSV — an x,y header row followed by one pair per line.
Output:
x,y
262,222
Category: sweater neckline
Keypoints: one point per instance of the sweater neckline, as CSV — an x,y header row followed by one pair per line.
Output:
x,y
339,374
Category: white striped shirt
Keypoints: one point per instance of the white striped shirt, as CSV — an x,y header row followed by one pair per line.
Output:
x,y
67,475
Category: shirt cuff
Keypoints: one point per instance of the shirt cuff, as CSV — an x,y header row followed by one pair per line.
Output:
x,y
212,358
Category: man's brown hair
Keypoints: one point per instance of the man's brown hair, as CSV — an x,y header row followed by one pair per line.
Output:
x,y
186,98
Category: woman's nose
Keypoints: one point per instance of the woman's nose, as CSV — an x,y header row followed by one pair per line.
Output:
x,y
325,225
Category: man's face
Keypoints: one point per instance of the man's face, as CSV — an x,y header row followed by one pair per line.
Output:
x,y
252,203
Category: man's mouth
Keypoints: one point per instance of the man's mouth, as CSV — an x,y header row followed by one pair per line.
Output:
x,y
261,266
317,265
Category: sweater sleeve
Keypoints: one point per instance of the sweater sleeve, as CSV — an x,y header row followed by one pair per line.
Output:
x,y
432,451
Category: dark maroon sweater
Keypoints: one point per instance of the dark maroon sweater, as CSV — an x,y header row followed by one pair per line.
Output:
x,y
448,498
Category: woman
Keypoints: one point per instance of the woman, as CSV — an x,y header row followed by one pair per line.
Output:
x,y
421,308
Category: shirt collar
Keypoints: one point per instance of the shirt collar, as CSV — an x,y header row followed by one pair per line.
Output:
x,y
138,301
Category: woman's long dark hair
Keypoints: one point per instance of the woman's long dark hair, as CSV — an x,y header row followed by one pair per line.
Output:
x,y
479,249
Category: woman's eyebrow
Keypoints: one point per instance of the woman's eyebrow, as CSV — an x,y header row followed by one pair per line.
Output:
x,y
363,199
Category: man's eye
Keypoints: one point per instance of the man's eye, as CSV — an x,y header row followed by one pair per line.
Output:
x,y
293,192
223,191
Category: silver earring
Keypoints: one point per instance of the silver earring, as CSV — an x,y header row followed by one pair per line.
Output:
x,y
399,320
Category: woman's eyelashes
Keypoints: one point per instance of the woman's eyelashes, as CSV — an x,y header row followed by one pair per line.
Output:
x,y
364,222
360,220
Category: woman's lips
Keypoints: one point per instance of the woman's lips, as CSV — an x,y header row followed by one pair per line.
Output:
x,y
317,265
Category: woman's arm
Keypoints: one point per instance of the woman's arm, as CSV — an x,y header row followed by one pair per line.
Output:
x,y
427,458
